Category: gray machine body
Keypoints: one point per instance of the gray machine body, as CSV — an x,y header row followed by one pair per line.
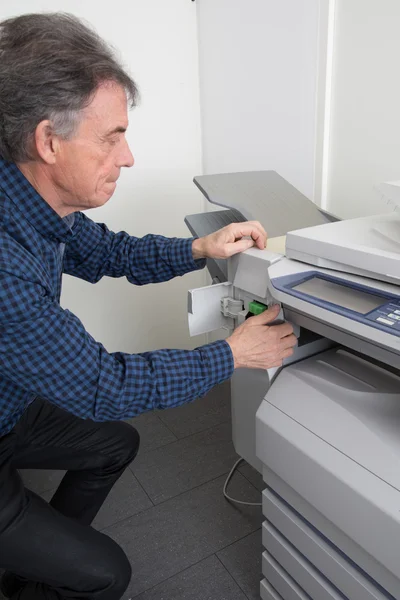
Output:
x,y
329,429
266,197
324,431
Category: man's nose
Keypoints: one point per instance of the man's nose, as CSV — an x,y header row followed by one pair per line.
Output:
x,y
126,157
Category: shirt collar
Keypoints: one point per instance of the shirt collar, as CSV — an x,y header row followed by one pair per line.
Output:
x,y
32,206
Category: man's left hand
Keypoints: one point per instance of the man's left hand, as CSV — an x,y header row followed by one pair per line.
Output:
x,y
234,238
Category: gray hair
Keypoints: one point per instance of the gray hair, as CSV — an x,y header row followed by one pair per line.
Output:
x,y
50,67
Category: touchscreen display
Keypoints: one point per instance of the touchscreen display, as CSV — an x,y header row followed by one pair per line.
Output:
x,y
341,295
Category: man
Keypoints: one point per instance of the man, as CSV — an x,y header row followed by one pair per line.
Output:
x,y
63,117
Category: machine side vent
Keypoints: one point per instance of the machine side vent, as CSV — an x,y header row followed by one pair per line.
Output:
x,y
285,526
281,580
268,592
306,574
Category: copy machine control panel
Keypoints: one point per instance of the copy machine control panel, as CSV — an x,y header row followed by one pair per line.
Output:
x,y
388,314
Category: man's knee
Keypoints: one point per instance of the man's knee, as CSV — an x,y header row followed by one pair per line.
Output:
x,y
120,444
120,571
127,441
113,568
105,573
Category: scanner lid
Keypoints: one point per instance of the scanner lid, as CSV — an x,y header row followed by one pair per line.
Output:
x,y
368,246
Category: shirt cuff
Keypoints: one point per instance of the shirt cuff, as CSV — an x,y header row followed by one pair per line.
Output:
x,y
181,256
218,359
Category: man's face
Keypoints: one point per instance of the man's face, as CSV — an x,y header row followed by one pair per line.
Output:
x,y
88,165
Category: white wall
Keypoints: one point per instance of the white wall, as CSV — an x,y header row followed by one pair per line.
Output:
x,y
158,43
364,145
258,67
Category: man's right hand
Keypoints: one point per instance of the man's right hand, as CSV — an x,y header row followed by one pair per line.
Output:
x,y
257,345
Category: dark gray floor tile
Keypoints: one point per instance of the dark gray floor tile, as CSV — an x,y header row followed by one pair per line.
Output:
x,y
41,480
47,495
213,409
153,433
185,464
243,561
208,580
252,475
126,499
170,537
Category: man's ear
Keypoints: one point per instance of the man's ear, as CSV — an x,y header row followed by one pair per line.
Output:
x,y
46,142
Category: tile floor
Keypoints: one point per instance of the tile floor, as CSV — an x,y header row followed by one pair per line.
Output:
x,y
184,540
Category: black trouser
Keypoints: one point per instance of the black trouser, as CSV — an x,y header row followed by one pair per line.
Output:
x,y
52,547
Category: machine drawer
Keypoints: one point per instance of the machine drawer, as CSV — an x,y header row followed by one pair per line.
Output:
x,y
300,569
267,592
347,578
280,580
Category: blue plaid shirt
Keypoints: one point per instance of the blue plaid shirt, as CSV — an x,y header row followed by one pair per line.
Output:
x,y
45,350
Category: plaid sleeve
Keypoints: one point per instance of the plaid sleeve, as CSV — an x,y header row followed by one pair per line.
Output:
x,y
46,350
94,252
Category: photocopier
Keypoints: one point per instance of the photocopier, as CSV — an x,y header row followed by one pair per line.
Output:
x,y
324,430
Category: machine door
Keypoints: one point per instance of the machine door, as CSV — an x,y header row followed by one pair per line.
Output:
x,y
204,308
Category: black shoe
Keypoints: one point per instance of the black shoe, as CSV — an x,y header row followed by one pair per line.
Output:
x,y
10,584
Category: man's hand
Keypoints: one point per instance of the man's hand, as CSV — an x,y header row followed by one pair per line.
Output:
x,y
229,240
256,345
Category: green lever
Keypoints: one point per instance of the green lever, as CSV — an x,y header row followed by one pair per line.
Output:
x,y
256,308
